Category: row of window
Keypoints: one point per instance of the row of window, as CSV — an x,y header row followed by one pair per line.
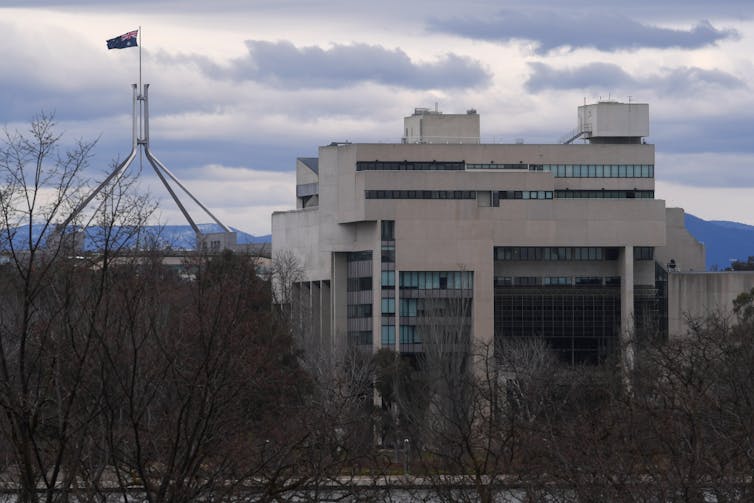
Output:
x,y
556,281
437,280
420,194
605,194
410,166
555,253
525,194
494,165
509,194
558,170
599,170
539,253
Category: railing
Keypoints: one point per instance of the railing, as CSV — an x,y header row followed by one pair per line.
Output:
x,y
572,135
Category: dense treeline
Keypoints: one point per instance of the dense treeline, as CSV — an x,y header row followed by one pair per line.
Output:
x,y
123,379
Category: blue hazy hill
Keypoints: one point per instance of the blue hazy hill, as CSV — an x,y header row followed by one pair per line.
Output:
x,y
722,240
177,237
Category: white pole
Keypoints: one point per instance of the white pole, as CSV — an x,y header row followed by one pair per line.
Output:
x,y
139,35
141,94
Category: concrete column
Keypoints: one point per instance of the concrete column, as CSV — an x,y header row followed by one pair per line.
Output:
x,y
627,307
316,294
326,316
338,293
483,305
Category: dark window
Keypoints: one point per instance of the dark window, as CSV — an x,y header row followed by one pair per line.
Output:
x,y
360,311
360,338
388,230
409,166
643,253
359,256
587,280
419,194
365,283
388,254
580,325
561,253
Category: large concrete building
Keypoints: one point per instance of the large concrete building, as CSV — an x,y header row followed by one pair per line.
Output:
x,y
561,241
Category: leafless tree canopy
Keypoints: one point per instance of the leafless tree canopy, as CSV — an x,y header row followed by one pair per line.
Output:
x,y
123,379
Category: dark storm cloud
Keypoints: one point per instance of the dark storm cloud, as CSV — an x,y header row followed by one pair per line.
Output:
x,y
604,31
283,64
610,77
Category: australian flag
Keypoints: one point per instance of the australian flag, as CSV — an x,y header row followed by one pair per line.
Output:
x,y
126,40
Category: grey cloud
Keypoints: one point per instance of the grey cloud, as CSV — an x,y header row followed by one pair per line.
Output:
x,y
600,30
735,173
608,76
686,134
690,79
591,76
283,64
648,9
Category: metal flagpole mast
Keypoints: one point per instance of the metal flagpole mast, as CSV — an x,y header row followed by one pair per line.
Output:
x,y
139,35
140,142
141,100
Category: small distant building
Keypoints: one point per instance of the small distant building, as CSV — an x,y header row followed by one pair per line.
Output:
x,y
215,242
433,126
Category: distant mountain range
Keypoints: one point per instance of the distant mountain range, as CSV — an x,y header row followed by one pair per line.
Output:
x,y
177,237
722,240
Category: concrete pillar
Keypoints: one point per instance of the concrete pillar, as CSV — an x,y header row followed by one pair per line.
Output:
x,y
326,316
316,295
338,291
627,307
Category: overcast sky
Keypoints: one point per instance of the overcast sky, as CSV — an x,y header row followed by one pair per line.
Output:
x,y
239,89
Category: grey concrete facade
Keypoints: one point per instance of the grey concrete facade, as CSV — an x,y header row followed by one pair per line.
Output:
x,y
695,295
520,218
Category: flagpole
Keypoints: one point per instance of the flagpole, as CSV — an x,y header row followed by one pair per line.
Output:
x,y
141,104
139,35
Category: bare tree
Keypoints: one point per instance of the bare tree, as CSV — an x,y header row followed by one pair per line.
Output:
x,y
287,273
52,303
201,377
451,409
